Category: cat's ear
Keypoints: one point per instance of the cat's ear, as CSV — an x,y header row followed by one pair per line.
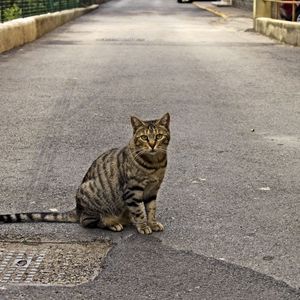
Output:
x,y
165,120
136,123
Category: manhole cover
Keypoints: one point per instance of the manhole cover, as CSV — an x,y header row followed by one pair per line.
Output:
x,y
51,263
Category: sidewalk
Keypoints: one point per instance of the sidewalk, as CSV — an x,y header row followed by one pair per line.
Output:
x,y
224,11
283,31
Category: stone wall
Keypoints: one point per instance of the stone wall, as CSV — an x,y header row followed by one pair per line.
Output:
x,y
17,32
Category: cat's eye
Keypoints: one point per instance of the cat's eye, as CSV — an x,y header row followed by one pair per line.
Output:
x,y
159,136
144,137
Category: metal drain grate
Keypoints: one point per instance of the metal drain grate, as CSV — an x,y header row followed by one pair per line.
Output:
x,y
19,267
50,263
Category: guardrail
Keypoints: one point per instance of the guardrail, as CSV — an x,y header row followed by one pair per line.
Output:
x,y
14,9
269,19
288,10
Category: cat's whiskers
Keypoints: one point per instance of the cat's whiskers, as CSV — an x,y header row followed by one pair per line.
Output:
x,y
161,149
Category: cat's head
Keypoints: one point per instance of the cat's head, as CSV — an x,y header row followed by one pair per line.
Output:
x,y
151,136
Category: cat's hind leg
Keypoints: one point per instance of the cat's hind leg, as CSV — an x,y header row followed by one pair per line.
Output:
x,y
116,227
90,221
113,223
96,221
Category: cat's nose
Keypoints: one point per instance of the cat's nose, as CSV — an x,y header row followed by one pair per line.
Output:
x,y
152,143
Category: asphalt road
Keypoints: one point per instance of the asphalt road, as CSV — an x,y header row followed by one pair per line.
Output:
x,y
230,200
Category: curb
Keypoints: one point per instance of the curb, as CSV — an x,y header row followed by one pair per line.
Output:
x,y
212,10
280,30
18,32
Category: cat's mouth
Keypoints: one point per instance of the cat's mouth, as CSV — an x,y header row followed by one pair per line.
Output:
x,y
152,151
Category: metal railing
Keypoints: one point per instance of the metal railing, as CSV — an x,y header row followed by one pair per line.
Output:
x,y
13,9
288,10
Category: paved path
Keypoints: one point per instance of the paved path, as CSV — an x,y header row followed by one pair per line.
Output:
x,y
230,201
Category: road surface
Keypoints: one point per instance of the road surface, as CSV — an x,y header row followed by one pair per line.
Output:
x,y
230,200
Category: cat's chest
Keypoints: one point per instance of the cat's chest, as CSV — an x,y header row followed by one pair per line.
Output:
x,y
148,179
152,181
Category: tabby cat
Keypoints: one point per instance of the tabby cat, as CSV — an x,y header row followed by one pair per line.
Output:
x,y
121,185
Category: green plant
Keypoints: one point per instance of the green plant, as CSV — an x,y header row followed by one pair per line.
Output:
x,y
13,12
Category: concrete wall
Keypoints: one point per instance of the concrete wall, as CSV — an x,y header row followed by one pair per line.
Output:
x,y
283,31
20,31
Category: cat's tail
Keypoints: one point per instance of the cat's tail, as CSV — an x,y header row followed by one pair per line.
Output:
x,y
64,217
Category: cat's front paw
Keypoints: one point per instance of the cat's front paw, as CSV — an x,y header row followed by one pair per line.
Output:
x,y
144,229
156,226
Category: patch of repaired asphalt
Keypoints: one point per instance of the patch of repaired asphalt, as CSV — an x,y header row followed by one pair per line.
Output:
x,y
50,263
141,267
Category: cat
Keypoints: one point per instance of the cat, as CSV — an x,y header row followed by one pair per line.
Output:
x,y
121,185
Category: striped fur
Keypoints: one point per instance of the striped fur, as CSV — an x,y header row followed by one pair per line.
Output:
x,y
66,217
121,185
